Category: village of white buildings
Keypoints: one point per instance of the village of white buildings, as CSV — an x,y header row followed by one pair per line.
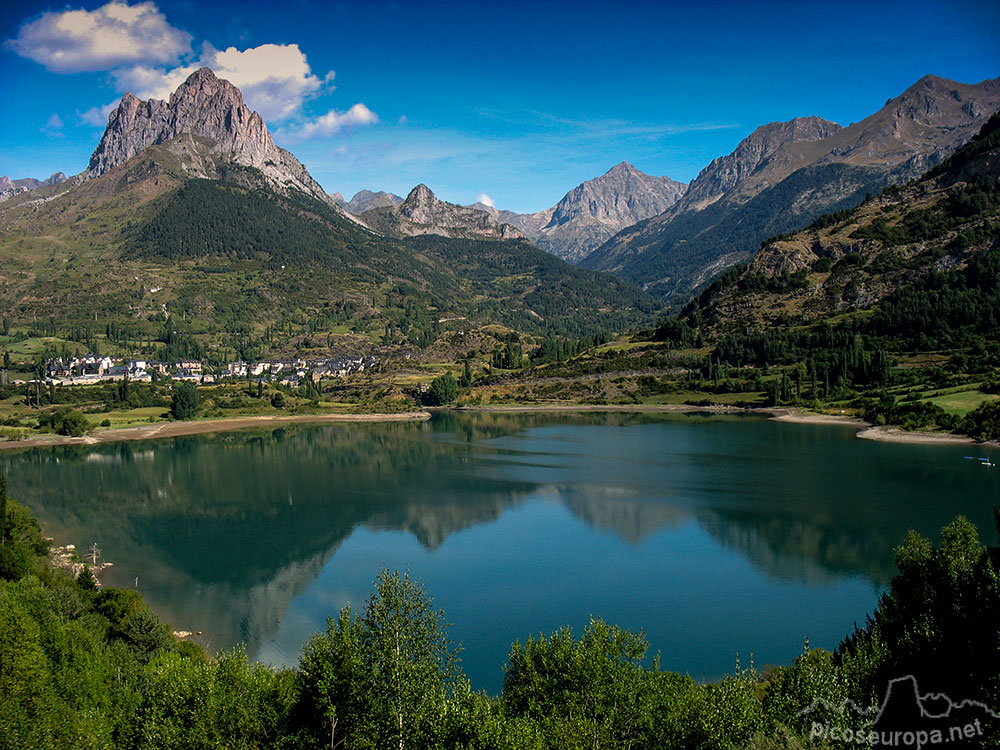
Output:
x,y
91,368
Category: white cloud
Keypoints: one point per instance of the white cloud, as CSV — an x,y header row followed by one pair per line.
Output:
x,y
151,58
275,78
403,119
114,35
97,116
486,200
328,124
53,126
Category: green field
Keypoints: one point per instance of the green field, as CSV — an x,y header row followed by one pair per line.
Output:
x,y
961,402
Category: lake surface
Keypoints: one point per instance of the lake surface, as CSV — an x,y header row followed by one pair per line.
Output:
x,y
717,536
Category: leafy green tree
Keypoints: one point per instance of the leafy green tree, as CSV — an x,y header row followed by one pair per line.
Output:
x,y
74,424
25,548
596,687
983,422
64,421
381,678
411,661
466,380
3,509
333,682
444,389
184,403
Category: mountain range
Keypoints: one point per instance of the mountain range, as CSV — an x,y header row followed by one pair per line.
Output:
x,y
673,238
423,213
784,175
907,253
189,217
594,211
175,184
9,187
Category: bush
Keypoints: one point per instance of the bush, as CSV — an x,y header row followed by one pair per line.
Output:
x,y
64,421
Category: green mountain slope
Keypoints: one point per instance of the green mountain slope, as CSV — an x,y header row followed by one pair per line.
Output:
x,y
178,234
906,250
784,175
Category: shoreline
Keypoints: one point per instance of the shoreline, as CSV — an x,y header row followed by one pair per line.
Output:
x,y
202,427
864,430
878,433
578,408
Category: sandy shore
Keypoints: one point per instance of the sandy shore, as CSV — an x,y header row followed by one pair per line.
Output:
x,y
866,431
888,434
805,417
199,427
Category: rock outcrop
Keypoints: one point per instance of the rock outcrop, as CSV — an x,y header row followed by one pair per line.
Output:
x,y
210,107
423,213
366,200
9,187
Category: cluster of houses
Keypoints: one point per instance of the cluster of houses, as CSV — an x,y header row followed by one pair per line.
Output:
x,y
294,371
91,368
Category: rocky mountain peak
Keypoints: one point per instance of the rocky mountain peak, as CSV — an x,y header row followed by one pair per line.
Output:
x,y
366,200
620,197
621,168
727,173
207,106
421,195
423,213
9,187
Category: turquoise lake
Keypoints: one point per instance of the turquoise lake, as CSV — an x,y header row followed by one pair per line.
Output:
x,y
716,536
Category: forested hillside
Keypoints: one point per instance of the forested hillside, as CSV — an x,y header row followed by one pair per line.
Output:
x,y
227,261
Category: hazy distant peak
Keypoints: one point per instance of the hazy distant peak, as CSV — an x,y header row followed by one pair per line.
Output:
x,y
366,200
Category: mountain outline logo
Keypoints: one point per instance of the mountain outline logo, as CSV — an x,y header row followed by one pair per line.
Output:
x,y
904,719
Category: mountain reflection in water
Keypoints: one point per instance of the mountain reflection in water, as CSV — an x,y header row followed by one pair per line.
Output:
x,y
225,531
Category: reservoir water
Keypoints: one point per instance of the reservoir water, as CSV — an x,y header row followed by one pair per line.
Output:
x,y
716,536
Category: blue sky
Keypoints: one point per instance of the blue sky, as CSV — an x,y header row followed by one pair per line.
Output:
x,y
518,101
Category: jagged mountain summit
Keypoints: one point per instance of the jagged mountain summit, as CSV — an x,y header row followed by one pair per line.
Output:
x,y
207,107
9,187
424,213
594,211
784,175
768,154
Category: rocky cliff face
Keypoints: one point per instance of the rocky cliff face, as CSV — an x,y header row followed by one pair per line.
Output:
x,y
423,213
784,175
207,106
595,210
766,156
